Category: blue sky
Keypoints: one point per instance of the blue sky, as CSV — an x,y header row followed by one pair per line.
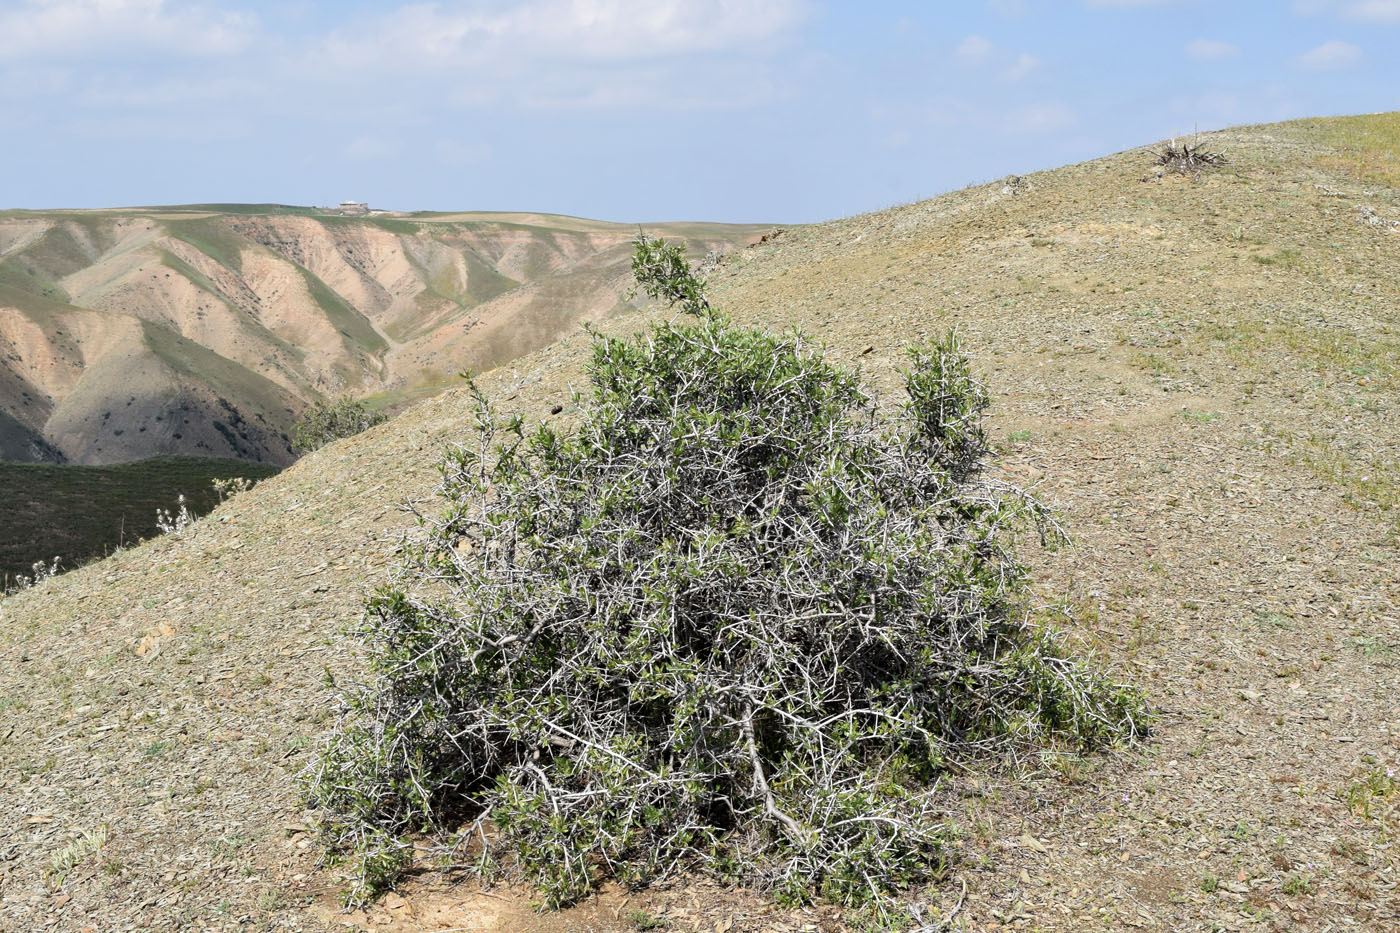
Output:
x,y
766,110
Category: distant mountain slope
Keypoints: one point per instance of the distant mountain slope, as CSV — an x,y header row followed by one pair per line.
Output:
x,y
204,330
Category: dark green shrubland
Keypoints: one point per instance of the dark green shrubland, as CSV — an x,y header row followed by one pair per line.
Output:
x,y
737,619
331,420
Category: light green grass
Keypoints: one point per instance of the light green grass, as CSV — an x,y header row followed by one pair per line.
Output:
x,y
1368,147
213,237
352,325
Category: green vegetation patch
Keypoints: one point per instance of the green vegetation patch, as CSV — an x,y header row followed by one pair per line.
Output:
x,y
204,366
21,276
353,325
213,237
39,266
396,225
176,264
444,283
483,281
57,253
247,210
328,421
1368,147
79,513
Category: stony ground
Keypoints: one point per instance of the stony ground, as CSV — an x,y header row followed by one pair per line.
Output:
x,y
1201,374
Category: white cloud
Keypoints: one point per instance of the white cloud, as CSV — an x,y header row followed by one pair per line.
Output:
x,y
576,54
1025,64
1330,56
465,34
84,28
973,50
1379,11
977,51
1210,49
1370,11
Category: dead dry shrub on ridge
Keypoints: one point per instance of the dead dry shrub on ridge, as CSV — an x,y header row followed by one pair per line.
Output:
x,y
1186,158
738,620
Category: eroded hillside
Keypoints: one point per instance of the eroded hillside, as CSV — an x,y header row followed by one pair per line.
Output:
x,y
1201,375
134,333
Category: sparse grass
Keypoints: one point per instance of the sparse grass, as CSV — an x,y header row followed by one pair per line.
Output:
x,y
1375,794
1069,767
228,847
1283,258
1300,885
1331,352
213,237
88,843
82,512
1153,364
1368,147
270,899
1367,483
1266,619
394,400
643,920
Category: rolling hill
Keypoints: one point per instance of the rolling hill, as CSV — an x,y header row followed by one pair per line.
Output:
x,y
1200,373
204,330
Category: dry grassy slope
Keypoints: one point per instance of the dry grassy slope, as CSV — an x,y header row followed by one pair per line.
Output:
x,y
126,334
1202,375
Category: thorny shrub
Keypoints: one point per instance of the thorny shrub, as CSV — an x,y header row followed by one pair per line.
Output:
x,y
328,421
736,620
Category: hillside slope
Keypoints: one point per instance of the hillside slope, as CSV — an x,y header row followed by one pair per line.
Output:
x,y
205,330
1202,375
